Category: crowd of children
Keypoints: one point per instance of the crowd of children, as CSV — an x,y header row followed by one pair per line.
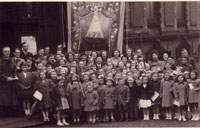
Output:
x,y
95,87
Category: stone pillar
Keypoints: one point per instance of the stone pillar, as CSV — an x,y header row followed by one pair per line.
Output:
x,y
162,17
29,9
175,19
128,15
187,8
145,17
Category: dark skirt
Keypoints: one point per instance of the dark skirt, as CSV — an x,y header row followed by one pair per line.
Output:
x,y
26,94
9,95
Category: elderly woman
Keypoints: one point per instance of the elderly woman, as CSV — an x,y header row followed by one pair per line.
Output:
x,y
8,86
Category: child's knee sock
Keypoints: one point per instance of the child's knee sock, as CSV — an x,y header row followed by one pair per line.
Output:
x,y
131,111
196,112
98,115
126,114
136,112
107,115
147,113
144,114
33,106
170,115
44,115
111,115
47,113
154,112
90,117
157,112
58,115
74,116
167,114
121,115
94,116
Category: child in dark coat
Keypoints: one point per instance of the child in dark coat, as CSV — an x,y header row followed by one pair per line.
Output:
x,y
123,98
134,95
26,81
40,68
146,92
43,86
155,83
76,100
193,95
166,89
101,92
91,99
60,97
181,95
109,100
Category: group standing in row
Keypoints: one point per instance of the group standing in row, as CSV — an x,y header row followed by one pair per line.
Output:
x,y
99,87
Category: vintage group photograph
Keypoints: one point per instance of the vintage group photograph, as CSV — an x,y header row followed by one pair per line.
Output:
x,y
99,64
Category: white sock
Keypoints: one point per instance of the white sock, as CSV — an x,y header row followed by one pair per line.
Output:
x,y
26,112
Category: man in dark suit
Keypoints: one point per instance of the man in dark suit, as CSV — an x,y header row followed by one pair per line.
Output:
x,y
18,60
185,54
98,62
25,54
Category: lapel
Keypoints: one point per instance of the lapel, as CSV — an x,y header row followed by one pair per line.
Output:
x,y
27,76
25,79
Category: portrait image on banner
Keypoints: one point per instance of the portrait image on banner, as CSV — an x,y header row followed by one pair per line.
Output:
x,y
94,26
32,44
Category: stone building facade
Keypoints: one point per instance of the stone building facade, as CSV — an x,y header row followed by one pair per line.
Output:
x,y
162,26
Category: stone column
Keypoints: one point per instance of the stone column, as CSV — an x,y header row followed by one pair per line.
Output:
x,y
175,19
162,17
187,8
145,17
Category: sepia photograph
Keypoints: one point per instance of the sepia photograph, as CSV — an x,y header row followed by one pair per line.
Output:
x,y
99,64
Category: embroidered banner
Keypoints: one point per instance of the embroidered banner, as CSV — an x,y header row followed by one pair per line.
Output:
x,y
95,26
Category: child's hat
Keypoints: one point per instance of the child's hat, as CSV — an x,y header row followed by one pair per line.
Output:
x,y
61,80
110,80
75,77
59,46
159,69
89,83
24,64
95,81
64,68
101,76
174,73
180,74
130,78
186,72
53,70
74,81
109,77
85,73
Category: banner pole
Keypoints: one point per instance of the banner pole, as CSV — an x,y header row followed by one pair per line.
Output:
x,y
121,27
69,19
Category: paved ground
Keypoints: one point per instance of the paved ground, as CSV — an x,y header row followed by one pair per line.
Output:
x,y
36,122
151,123
19,122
